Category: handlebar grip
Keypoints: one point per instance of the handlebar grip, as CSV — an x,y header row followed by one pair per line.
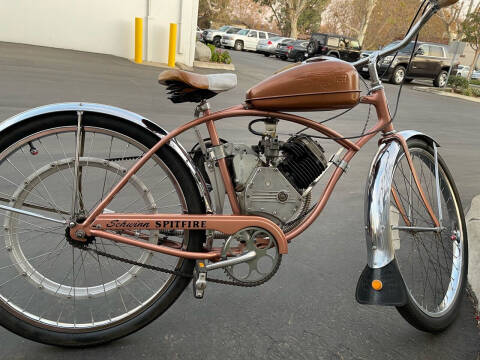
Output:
x,y
445,3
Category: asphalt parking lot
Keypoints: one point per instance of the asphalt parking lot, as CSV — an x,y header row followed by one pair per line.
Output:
x,y
308,310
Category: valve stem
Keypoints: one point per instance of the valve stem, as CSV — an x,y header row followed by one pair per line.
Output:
x,y
33,149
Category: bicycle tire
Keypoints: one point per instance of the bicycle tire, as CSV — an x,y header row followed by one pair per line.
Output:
x,y
159,302
429,311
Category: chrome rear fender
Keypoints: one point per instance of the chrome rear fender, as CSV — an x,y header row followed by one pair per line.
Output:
x,y
122,115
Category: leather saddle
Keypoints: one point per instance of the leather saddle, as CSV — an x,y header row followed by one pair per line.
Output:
x,y
184,86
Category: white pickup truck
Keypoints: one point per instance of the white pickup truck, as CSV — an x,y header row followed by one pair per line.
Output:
x,y
213,36
245,39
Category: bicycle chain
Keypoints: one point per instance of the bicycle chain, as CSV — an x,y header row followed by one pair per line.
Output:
x,y
172,272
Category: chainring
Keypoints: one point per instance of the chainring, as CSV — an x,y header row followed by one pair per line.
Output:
x,y
260,269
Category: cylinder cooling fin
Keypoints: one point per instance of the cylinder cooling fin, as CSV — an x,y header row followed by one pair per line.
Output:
x,y
303,162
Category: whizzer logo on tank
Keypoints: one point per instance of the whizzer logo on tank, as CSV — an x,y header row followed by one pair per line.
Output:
x,y
158,224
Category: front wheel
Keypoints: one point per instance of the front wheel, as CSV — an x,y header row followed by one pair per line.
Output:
x,y
216,41
56,291
433,264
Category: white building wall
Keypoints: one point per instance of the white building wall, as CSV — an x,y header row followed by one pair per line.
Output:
x,y
101,26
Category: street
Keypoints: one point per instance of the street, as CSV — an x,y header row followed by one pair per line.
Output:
x,y
308,309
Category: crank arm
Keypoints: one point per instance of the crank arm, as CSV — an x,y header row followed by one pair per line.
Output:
x,y
29,213
234,261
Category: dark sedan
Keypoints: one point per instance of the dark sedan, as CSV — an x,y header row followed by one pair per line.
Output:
x,y
297,50
282,49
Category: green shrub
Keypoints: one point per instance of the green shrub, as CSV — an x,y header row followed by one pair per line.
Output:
x,y
219,56
468,91
458,83
212,48
476,92
475,82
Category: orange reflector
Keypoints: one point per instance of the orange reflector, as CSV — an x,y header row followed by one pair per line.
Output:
x,y
377,285
201,264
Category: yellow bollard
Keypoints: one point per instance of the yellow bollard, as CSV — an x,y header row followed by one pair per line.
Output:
x,y
138,40
172,46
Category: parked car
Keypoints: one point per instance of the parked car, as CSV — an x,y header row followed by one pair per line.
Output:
x,y
462,70
475,75
268,46
245,39
297,50
364,70
214,36
282,49
430,61
338,46
199,34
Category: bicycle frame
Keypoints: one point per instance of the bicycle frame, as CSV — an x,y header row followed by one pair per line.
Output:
x,y
97,222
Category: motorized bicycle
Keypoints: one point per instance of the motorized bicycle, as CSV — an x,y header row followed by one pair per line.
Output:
x,y
107,218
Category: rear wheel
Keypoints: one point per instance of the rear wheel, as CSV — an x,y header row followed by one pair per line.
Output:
x,y
312,48
433,264
238,45
216,41
441,79
52,289
299,57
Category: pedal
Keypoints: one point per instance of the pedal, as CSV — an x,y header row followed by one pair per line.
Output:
x,y
199,279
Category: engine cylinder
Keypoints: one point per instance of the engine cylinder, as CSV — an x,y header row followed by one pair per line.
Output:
x,y
303,162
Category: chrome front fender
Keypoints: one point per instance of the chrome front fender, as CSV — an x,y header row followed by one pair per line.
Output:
x,y
121,114
380,251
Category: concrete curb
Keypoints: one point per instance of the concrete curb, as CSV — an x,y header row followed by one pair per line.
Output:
x,y
473,228
212,65
178,65
445,93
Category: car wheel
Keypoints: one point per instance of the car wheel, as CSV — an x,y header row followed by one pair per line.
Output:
x,y
266,54
441,79
398,75
216,41
299,57
312,48
238,45
408,81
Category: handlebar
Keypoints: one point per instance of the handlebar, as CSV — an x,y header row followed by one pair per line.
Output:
x,y
445,3
411,34
435,6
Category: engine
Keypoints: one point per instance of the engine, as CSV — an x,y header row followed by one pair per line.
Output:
x,y
303,162
275,191
269,178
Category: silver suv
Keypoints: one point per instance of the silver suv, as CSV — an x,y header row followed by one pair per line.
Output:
x,y
245,39
213,36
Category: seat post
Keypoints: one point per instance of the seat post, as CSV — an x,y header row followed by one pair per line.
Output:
x,y
203,108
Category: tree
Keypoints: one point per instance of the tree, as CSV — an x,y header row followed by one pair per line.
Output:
x,y
288,14
210,9
471,35
355,15
449,17
388,21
